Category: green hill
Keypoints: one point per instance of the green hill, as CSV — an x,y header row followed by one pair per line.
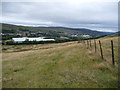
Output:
x,y
9,28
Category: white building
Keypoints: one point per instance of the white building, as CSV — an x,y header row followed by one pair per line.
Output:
x,y
64,37
85,36
19,40
74,35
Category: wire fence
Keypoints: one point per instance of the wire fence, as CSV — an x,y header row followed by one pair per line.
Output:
x,y
106,49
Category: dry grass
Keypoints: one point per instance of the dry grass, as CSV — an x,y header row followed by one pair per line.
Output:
x,y
65,65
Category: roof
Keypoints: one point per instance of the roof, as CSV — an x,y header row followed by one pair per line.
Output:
x,y
19,39
31,39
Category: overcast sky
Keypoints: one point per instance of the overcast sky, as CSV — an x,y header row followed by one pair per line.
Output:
x,y
101,16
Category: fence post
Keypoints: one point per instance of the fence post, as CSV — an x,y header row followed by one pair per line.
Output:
x,y
79,41
101,49
113,62
95,44
90,44
84,41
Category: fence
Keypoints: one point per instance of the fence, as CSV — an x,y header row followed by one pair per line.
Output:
x,y
90,45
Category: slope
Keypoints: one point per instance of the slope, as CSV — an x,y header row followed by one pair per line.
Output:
x,y
8,28
62,65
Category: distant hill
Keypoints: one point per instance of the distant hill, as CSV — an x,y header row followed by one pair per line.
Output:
x,y
9,28
82,30
92,32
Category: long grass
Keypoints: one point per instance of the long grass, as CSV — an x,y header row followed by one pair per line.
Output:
x,y
65,65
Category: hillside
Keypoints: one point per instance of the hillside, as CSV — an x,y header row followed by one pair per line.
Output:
x,y
61,65
8,28
82,30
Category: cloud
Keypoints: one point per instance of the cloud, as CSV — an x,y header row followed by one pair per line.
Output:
x,y
94,15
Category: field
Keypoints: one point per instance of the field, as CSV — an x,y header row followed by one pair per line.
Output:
x,y
61,65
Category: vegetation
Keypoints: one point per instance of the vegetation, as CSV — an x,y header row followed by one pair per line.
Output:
x,y
60,65
8,28
57,40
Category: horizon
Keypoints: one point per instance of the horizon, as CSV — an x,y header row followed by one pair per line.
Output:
x,y
97,16
60,27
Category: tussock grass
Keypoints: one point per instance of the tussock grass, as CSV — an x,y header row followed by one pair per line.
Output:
x,y
65,65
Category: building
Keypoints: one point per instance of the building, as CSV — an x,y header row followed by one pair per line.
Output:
x,y
74,35
64,37
20,40
85,36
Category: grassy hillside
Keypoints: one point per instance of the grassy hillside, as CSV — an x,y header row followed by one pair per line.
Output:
x,y
61,65
9,28
15,28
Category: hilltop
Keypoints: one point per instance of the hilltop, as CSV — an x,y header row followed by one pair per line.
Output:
x,y
58,31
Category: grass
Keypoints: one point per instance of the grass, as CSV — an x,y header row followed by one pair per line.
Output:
x,y
62,65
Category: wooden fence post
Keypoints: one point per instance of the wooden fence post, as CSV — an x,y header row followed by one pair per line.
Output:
x,y
101,50
113,62
87,44
90,44
95,44
79,41
84,41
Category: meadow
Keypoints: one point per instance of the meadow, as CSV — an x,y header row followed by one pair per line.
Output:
x,y
60,65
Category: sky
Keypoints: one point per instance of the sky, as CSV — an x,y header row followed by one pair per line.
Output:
x,y
92,14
